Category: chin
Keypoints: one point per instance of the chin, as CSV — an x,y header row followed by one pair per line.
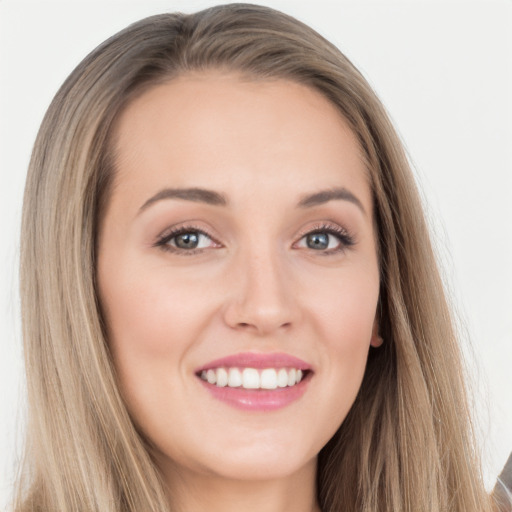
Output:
x,y
258,460
263,468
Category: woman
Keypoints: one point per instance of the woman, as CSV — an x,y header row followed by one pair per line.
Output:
x,y
229,294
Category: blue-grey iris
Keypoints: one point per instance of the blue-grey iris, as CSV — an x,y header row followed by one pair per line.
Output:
x,y
187,240
318,240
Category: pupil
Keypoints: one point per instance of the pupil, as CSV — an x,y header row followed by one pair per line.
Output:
x,y
187,241
318,241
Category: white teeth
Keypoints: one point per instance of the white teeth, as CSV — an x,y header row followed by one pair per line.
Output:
x,y
269,379
211,376
251,378
282,378
222,377
234,378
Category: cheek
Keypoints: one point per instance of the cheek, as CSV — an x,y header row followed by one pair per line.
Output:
x,y
345,319
154,323
345,308
149,313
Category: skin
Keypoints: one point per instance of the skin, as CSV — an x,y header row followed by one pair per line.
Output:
x,y
254,286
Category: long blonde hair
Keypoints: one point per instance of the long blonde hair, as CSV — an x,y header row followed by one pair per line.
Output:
x,y
406,444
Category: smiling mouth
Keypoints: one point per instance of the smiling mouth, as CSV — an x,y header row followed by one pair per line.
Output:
x,y
252,378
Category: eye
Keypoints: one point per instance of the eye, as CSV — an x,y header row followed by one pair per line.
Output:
x,y
321,241
186,240
327,239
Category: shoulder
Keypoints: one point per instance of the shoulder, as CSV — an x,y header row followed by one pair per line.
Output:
x,y
503,490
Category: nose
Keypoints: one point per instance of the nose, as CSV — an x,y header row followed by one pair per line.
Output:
x,y
263,296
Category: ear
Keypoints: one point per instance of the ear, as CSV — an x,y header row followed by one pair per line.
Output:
x,y
376,340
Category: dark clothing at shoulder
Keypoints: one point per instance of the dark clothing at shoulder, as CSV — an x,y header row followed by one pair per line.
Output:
x,y
503,489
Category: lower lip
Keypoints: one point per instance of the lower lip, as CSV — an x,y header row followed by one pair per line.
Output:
x,y
258,399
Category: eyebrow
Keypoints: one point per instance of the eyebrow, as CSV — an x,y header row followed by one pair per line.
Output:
x,y
196,195
324,196
201,195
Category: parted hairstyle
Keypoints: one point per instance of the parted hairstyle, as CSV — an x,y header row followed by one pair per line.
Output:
x,y
407,443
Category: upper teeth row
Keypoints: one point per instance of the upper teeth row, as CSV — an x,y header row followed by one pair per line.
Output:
x,y
250,378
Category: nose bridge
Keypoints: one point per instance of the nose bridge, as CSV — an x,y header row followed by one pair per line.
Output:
x,y
263,300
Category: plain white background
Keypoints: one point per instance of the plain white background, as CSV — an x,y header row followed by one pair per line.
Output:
x,y
444,71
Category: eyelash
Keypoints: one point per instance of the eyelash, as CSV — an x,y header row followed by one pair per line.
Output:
x,y
345,238
163,240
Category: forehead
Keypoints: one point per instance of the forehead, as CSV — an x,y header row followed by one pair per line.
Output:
x,y
221,130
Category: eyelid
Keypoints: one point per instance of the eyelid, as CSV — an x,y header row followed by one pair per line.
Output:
x,y
323,226
163,239
345,237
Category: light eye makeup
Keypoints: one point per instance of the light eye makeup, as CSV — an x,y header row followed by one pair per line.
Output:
x,y
186,240
326,239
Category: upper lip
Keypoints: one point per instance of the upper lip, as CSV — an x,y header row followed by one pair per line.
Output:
x,y
258,361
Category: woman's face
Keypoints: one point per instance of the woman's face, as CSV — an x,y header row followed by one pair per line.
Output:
x,y
237,249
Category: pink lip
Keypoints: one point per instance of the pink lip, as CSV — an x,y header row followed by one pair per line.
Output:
x,y
260,400
258,361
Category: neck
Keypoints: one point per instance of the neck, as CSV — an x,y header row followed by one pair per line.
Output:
x,y
195,492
